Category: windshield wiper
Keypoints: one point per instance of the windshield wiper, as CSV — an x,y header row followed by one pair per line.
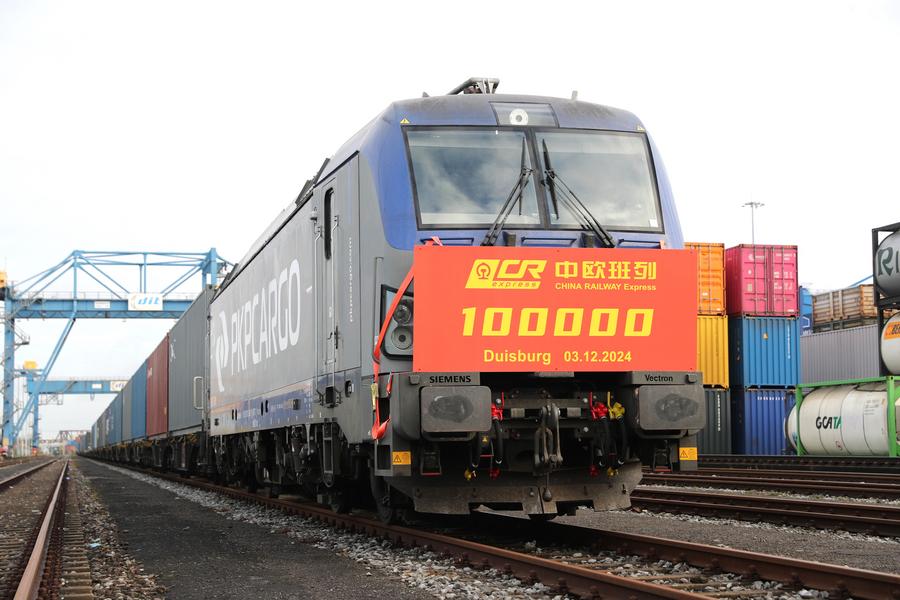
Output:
x,y
572,202
514,197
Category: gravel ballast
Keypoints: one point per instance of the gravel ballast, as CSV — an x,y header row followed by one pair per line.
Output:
x,y
833,547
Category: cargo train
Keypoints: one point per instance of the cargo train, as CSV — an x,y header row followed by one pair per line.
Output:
x,y
479,300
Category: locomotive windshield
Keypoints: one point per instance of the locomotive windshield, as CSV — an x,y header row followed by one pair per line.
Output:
x,y
461,177
609,171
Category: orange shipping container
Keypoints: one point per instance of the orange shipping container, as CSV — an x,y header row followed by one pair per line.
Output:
x,y
712,350
710,277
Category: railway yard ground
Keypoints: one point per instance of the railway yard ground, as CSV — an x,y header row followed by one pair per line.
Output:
x,y
148,537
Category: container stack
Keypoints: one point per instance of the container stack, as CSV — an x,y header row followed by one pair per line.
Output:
x,y
844,339
845,309
806,311
712,347
763,327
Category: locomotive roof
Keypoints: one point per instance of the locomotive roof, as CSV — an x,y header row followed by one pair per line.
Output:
x,y
476,110
380,140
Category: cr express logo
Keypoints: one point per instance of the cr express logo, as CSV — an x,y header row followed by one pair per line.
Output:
x,y
264,325
493,273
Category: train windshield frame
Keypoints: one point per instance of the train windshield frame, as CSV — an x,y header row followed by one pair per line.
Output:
x,y
626,173
459,176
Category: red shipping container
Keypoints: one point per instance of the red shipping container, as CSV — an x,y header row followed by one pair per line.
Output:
x,y
158,389
761,280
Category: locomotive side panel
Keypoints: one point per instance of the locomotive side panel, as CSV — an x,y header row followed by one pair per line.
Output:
x,y
262,331
284,335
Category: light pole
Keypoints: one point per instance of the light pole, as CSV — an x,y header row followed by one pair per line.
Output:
x,y
753,206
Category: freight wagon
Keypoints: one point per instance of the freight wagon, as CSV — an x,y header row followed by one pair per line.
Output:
x,y
469,304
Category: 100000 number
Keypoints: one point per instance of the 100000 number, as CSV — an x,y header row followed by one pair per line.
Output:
x,y
565,322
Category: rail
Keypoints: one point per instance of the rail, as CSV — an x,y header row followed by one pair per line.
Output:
x,y
807,462
871,519
878,490
21,474
30,584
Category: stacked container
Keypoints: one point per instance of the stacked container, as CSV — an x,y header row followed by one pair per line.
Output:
x,y
764,332
712,346
806,311
843,309
840,354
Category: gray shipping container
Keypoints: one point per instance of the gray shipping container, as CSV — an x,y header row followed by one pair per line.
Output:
x,y
188,356
127,434
839,354
715,438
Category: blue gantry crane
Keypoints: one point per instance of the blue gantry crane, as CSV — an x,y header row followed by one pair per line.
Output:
x,y
69,385
112,297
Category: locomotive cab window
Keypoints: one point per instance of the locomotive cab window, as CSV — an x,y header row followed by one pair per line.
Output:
x,y
610,172
326,232
462,177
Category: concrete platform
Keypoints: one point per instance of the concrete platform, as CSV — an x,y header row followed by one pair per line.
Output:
x,y
198,554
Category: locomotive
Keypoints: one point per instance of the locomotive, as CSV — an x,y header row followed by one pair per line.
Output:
x,y
479,300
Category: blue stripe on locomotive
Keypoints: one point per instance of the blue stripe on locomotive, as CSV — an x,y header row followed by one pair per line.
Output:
x,y
381,144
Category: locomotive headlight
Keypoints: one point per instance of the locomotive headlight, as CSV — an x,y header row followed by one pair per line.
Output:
x,y
398,340
403,314
402,337
518,116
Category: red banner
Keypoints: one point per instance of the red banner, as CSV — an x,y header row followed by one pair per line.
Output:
x,y
554,309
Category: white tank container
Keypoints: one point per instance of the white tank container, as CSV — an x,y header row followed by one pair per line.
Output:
x,y
890,344
843,420
887,265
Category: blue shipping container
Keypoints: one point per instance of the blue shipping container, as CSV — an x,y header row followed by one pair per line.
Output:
x,y
757,418
765,352
139,403
806,310
114,431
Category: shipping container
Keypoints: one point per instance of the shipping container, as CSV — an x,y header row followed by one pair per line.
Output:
x,y
839,354
757,418
114,431
850,304
761,280
806,311
712,349
715,438
158,389
710,277
188,357
102,427
95,436
138,385
764,351
126,412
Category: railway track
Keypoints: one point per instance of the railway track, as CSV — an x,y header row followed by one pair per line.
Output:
x,y
837,476
871,464
750,480
870,519
570,572
38,538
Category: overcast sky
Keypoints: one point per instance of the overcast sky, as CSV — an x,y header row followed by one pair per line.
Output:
x,y
183,125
